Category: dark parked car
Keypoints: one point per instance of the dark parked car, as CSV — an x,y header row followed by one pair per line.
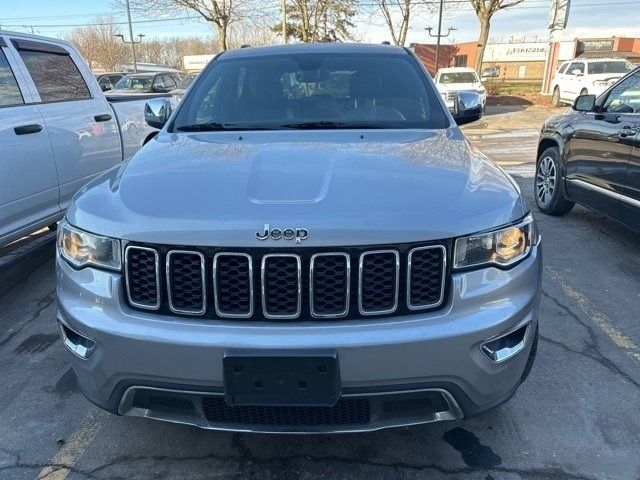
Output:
x,y
159,82
591,155
108,80
183,85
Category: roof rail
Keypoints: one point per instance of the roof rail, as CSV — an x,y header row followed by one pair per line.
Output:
x,y
245,45
386,42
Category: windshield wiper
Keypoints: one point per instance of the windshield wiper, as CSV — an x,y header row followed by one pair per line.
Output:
x,y
337,125
215,126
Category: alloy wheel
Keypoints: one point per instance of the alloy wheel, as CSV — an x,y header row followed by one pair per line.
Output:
x,y
545,180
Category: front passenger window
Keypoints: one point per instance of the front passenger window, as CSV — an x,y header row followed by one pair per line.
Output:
x,y
9,91
624,97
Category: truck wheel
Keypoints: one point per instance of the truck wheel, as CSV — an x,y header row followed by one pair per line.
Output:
x,y
555,99
547,188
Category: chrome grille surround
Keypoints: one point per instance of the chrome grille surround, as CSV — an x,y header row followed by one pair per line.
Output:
x,y
361,307
169,276
263,285
314,313
216,296
443,275
127,250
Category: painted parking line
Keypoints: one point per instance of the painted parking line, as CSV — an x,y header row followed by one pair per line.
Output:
x,y
62,463
599,318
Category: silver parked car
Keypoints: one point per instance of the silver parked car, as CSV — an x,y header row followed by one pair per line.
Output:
x,y
309,245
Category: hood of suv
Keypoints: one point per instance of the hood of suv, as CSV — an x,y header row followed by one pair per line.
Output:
x,y
345,187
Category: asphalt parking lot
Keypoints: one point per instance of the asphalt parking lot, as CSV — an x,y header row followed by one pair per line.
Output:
x,y
576,417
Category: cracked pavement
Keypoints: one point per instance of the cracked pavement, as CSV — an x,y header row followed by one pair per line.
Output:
x,y
576,417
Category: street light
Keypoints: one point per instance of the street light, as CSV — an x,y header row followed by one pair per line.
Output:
x,y
131,41
133,48
439,35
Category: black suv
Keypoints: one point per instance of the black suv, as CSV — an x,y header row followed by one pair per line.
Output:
x,y
591,155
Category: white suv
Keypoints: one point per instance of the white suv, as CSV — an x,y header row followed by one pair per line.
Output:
x,y
586,76
450,81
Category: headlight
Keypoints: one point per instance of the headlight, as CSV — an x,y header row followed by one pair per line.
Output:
x,y
84,249
502,247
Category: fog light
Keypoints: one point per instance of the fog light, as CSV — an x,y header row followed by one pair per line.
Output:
x,y
506,346
80,345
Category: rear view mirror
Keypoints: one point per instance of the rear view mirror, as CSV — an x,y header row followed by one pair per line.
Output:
x,y
584,103
157,111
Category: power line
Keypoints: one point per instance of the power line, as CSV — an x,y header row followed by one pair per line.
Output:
x,y
526,6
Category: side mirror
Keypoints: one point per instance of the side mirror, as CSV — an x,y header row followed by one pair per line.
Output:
x,y
468,107
157,111
584,103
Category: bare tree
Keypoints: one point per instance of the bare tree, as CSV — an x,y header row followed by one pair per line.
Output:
x,y
485,9
404,8
221,14
98,44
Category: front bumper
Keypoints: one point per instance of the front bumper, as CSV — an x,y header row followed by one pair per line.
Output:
x,y
431,361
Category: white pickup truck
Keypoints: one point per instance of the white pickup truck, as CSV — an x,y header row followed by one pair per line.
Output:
x,y
57,130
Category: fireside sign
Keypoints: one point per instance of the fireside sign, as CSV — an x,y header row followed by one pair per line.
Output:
x,y
516,52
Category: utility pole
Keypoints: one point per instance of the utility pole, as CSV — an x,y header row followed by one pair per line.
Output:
x,y
131,41
439,35
284,21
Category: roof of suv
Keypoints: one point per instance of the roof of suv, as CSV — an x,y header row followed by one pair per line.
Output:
x,y
589,60
315,48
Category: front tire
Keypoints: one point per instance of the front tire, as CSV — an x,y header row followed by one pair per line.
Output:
x,y
547,184
555,99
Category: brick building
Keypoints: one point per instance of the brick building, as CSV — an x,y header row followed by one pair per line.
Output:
x,y
527,61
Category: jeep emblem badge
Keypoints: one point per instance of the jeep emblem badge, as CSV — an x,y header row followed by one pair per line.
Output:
x,y
297,234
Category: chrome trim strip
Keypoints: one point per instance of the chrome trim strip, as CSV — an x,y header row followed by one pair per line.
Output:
x,y
395,305
617,196
219,312
443,277
497,358
263,290
198,419
202,275
348,281
156,306
78,350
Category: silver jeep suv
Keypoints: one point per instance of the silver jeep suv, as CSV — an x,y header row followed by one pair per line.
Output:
x,y
308,245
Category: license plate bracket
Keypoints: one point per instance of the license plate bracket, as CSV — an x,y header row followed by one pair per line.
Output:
x,y
291,378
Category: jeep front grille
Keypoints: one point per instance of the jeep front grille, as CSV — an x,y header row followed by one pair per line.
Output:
x,y
287,284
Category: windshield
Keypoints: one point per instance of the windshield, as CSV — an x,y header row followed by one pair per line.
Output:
x,y
134,83
609,67
458,77
312,90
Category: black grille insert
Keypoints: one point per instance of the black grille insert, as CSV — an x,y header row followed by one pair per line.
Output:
x,y
143,277
185,278
379,277
233,284
348,411
426,277
281,289
330,273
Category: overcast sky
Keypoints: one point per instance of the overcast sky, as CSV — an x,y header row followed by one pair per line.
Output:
x,y
588,18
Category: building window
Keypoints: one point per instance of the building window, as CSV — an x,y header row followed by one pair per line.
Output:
x,y
461,61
